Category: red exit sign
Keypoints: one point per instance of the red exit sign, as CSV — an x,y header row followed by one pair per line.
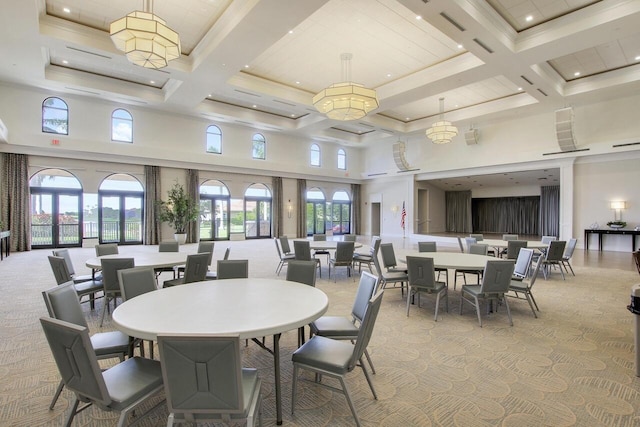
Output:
x,y
55,142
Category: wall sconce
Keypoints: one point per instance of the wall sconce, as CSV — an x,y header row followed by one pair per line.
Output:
x,y
394,209
289,209
617,207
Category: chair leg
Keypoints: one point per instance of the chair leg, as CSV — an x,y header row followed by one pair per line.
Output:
x,y
530,304
294,384
435,316
345,390
57,394
408,300
534,301
478,310
366,354
107,300
72,413
506,303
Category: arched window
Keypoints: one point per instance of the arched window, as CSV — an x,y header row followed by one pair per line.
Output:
x,y
214,211
257,211
121,126
214,140
316,212
315,155
341,213
342,159
259,147
55,116
120,209
56,213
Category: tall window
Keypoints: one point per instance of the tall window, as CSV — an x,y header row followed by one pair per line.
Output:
x,y
214,211
342,159
120,203
121,126
315,155
214,139
55,116
316,209
259,147
257,208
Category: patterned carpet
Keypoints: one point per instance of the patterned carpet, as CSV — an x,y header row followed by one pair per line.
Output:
x,y
573,366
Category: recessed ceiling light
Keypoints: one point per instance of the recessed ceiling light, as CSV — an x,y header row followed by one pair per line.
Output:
x,y
246,66
64,61
254,106
529,18
210,95
389,75
297,83
577,73
406,118
152,82
66,10
637,58
460,46
418,17
519,88
293,115
290,31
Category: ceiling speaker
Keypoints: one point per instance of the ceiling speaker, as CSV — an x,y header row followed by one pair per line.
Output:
x,y
471,136
398,156
564,129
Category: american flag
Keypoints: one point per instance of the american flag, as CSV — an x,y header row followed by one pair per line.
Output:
x,y
403,216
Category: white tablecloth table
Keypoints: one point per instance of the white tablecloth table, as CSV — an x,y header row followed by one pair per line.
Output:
x,y
502,244
144,259
251,308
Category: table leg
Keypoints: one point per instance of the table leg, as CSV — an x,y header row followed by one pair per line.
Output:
x,y
276,370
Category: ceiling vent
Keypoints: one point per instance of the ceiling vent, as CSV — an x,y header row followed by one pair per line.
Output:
x,y
564,129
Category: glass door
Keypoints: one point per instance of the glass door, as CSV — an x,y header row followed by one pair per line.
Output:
x,y
132,220
120,218
315,218
257,218
214,218
55,218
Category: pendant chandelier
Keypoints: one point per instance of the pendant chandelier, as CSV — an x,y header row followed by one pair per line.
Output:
x,y
346,100
442,131
145,38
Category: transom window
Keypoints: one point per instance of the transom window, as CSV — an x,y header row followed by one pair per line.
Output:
x,y
121,126
315,155
55,116
342,159
214,140
259,147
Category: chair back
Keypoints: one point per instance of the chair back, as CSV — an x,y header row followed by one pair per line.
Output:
x,y
548,239
571,246
375,246
388,256
59,268
366,328
513,248
319,237
106,249
206,247
479,249
62,303
226,254
349,237
302,249
301,272
202,374
636,258
556,250
478,237
366,288
523,262
284,243
76,360
169,246
110,267
233,269
275,240
470,241
136,281
64,253
508,237
427,247
195,270
497,277
460,244
421,272
535,272
344,252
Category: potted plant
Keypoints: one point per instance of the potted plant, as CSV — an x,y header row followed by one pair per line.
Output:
x,y
178,211
617,224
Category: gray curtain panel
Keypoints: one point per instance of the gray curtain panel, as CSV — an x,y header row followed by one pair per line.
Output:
x,y
550,210
277,215
458,211
517,215
301,229
16,200
151,197
356,210
193,190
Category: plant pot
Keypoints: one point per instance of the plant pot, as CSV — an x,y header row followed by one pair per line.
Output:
x,y
616,226
181,238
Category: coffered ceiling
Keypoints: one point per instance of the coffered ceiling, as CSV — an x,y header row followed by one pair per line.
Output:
x,y
260,62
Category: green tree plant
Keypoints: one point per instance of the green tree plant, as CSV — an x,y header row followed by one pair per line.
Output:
x,y
179,209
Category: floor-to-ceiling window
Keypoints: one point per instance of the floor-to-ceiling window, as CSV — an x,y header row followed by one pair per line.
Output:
x,y
340,213
56,209
257,208
120,204
316,212
214,211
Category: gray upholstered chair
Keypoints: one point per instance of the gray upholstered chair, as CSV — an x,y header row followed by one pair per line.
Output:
x,y
568,254
110,267
367,258
61,273
470,241
479,237
64,253
389,261
121,388
349,238
302,272
134,282
195,270
62,303
507,237
344,328
343,258
204,380
336,358
460,244
553,258
233,269
284,244
432,247
422,279
284,258
106,249
321,238
390,277
475,249
521,289
495,283
167,246
302,250
523,262
203,247
513,248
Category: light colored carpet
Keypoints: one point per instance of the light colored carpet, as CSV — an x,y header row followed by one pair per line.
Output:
x,y
573,366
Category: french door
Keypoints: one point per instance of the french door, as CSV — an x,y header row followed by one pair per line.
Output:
x,y
316,218
56,216
257,218
214,224
120,217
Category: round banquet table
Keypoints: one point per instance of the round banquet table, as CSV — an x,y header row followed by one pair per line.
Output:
x,y
250,308
455,260
144,259
501,244
327,245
